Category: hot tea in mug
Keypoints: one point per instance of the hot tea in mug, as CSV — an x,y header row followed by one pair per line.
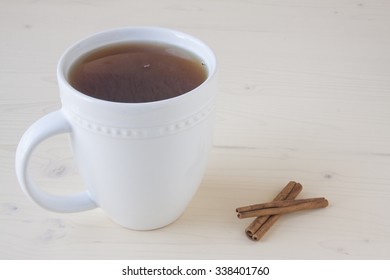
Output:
x,y
136,72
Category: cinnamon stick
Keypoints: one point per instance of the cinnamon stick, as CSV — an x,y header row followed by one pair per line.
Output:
x,y
290,191
274,203
281,207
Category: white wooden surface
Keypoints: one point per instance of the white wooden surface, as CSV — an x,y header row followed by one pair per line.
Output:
x,y
304,95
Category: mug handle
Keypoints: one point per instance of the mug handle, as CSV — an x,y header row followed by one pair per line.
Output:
x,y
49,125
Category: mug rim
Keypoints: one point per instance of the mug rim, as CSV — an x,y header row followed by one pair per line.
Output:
x,y
62,79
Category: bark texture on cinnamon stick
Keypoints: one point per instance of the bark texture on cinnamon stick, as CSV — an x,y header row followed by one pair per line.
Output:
x,y
281,207
290,191
268,213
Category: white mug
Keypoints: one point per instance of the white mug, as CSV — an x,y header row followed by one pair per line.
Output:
x,y
141,163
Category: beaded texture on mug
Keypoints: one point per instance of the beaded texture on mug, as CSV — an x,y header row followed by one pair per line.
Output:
x,y
147,132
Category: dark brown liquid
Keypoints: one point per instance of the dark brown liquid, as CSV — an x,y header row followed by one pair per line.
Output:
x,y
137,72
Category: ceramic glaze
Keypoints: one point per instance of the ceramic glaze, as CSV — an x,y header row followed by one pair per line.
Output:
x,y
141,162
